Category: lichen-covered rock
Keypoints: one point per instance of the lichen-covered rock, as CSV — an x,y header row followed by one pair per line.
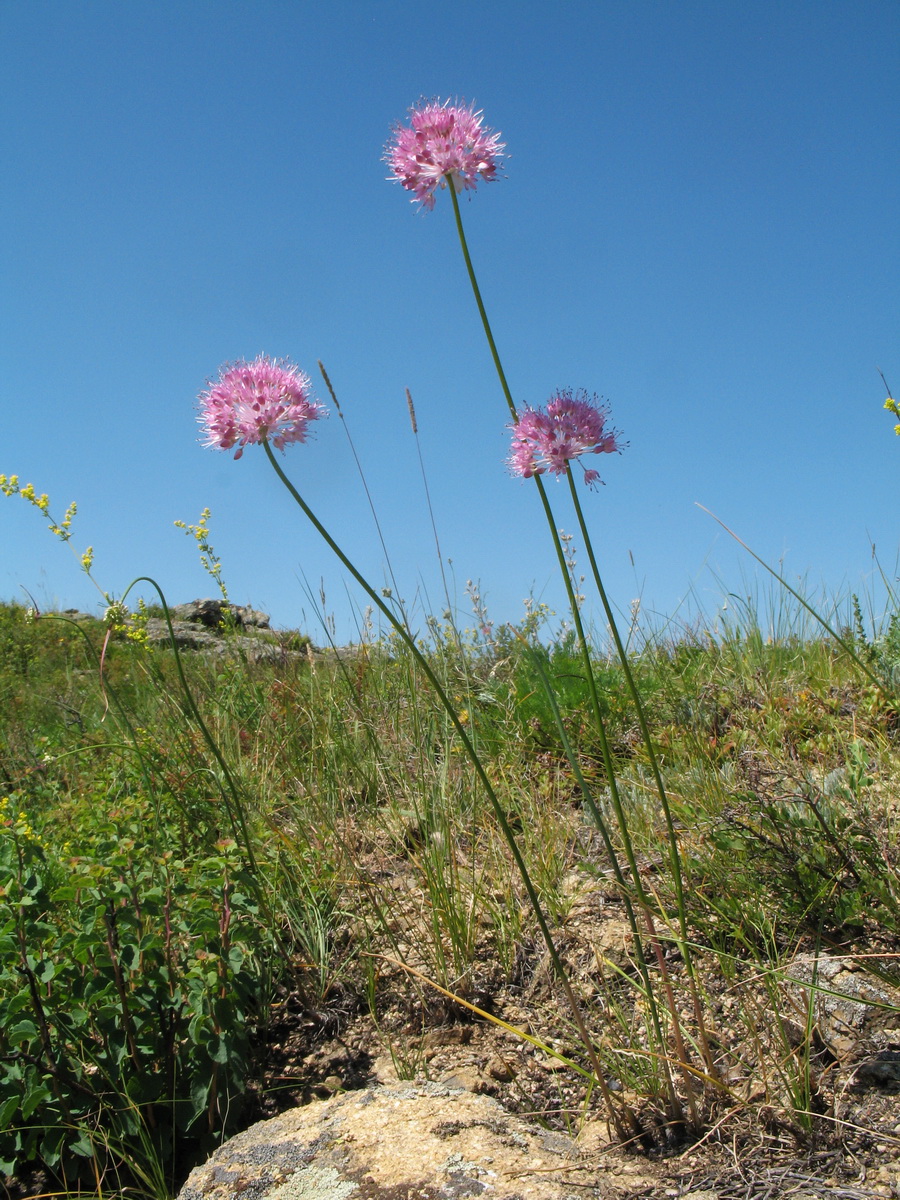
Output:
x,y
422,1141
211,613
215,627
856,1015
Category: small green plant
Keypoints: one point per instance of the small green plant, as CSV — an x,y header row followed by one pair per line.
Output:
x,y
125,1006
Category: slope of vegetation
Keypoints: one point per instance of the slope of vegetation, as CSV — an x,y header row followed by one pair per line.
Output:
x,y
212,909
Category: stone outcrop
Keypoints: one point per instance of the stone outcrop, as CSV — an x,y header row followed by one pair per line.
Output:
x,y
212,613
218,627
403,1141
204,625
855,1015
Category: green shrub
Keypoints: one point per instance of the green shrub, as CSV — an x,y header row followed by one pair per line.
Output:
x,y
128,985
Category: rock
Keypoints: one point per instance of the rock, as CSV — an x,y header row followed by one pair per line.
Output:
x,y
199,626
186,636
190,635
211,613
882,1070
466,1077
500,1069
856,1015
422,1140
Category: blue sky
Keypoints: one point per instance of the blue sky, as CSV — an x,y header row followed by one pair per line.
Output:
x,y
698,221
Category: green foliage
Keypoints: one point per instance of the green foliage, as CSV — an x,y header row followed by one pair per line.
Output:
x,y
137,958
130,980
38,649
563,665
886,649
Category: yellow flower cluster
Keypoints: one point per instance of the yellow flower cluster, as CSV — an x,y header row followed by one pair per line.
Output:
x,y
890,404
17,822
209,560
9,486
136,630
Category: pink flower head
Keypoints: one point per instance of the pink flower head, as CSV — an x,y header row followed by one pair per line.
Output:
x,y
441,141
259,401
548,440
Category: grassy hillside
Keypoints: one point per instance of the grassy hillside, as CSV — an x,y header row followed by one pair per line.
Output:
x,y
229,884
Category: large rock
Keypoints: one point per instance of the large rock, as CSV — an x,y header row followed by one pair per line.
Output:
x,y
422,1141
211,614
200,625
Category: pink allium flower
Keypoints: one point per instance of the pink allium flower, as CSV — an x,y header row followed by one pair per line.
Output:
x,y
441,141
259,401
548,440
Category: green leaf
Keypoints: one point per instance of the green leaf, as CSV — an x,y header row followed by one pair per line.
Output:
x,y
35,1096
8,1110
44,970
52,1144
199,1096
218,1049
129,956
82,1146
22,1031
66,892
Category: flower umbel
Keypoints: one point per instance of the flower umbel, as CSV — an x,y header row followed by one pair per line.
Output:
x,y
573,424
442,141
259,401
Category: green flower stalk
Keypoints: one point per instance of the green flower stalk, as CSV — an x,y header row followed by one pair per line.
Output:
x,y
115,612
549,441
209,560
273,408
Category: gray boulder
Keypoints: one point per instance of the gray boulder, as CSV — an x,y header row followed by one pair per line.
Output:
x,y
211,613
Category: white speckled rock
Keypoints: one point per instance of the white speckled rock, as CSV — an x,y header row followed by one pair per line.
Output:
x,y
422,1141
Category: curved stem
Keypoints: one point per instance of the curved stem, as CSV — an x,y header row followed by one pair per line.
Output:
x,y
472,754
236,813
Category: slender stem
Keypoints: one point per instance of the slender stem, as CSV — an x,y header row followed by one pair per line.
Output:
x,y
621,819
362,476
475,288
472,754
548,512
674,853
437,543
842,642
607,841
